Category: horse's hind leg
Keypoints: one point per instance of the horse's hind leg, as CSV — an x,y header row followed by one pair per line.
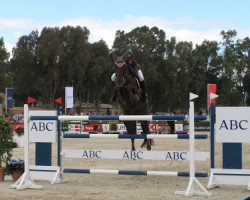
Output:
x,y
133,144
146,142
131,129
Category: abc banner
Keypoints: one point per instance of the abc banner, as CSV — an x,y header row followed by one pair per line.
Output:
x,y
232,124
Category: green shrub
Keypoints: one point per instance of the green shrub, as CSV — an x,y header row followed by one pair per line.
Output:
x,y
6,143
113,126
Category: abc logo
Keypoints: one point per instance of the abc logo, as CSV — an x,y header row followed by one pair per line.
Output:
x,y
234,125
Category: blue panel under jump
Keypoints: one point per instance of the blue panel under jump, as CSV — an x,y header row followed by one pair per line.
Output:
x,y
43,153
232,155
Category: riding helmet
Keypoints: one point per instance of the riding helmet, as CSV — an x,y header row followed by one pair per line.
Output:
x,y
128,55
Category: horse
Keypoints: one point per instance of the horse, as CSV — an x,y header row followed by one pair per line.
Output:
x,y
129,96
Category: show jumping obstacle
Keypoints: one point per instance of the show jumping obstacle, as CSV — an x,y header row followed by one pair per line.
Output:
x,y
231,131
54,172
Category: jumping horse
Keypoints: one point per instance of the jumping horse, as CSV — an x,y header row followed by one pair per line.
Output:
x,y
129,96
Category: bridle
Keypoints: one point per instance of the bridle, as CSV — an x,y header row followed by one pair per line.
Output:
x,y
122,73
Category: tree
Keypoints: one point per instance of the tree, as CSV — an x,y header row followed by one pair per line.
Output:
x,y
184,62
228,83
5,73
99,69
244,63
75,60
48,54
24,68
206,69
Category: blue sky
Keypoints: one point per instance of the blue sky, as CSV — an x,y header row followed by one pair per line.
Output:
x,y
189,20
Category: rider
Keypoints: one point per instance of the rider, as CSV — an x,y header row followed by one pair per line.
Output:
x,y
135,70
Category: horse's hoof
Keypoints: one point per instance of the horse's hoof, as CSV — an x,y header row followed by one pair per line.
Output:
x,y
148,147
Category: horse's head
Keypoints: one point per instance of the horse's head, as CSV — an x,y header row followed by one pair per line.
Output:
x,y
121,70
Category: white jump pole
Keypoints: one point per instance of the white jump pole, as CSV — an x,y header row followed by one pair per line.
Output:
x,y
194,186
25,180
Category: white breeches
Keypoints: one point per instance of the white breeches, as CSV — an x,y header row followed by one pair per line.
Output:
x,y
113,77
140,75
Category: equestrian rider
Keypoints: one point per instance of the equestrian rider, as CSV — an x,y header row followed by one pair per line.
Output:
x,y
136,72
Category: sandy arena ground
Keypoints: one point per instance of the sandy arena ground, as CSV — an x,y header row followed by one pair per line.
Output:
x,y
109,187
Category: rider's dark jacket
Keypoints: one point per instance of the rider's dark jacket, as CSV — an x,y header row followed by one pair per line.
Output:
x,y
134,67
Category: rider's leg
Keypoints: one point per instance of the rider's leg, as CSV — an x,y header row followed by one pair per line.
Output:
x,y
113,97
143,88
134,71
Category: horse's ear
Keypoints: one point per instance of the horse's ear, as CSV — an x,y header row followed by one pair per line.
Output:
x,y
114,56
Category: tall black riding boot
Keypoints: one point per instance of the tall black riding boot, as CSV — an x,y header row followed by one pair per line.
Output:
x,y
113,97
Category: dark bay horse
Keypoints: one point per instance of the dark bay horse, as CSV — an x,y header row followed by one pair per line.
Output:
x,y
129,96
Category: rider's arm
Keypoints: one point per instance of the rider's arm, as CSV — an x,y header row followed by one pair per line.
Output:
x,y
138,68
